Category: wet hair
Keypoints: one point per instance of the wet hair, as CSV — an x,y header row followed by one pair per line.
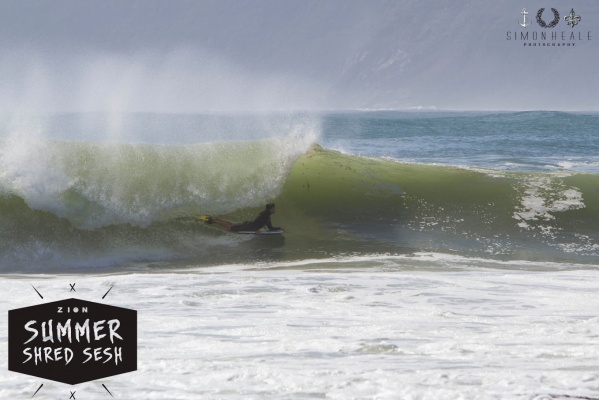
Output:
x,y
270,205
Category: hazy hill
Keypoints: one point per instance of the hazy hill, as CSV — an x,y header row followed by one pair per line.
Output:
x,y
276,54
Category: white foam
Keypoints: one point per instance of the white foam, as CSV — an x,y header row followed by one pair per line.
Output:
x,y
98,184
29,169
545,196
372,333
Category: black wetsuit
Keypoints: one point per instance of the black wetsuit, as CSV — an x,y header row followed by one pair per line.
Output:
x,y
262,220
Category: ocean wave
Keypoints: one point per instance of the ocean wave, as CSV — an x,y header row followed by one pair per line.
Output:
x,y
84,205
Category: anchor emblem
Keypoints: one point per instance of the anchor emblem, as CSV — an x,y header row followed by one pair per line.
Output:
x,y
572,19
524,23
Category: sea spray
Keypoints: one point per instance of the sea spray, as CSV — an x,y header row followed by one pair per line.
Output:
x,y
98,183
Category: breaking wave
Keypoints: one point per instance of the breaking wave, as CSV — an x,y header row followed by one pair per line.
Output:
x,y
66,205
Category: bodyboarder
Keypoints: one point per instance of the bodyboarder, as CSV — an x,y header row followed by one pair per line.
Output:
x,y
262,220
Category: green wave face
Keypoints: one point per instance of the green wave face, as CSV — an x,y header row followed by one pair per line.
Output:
x,y
386,206
82,205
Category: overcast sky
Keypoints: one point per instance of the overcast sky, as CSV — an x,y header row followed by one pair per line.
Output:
x,y
193,56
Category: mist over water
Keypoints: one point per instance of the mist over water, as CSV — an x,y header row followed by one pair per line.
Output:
x,y
140,164
219,56
181,81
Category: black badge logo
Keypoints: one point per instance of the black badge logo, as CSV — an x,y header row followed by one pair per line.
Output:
x,y
72,341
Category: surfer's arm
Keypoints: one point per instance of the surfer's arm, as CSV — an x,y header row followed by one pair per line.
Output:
x,y
272,228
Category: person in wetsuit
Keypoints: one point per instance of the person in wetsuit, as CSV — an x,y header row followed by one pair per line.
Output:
x,y
262,220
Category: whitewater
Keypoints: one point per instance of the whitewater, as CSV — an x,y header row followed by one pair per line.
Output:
x,y
441,255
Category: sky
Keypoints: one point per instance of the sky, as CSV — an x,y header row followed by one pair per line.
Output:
x,y
181,56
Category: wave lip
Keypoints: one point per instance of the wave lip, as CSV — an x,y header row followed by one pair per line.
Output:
x,y
99,184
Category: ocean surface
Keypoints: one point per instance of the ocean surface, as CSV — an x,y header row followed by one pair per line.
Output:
x,y
427,254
